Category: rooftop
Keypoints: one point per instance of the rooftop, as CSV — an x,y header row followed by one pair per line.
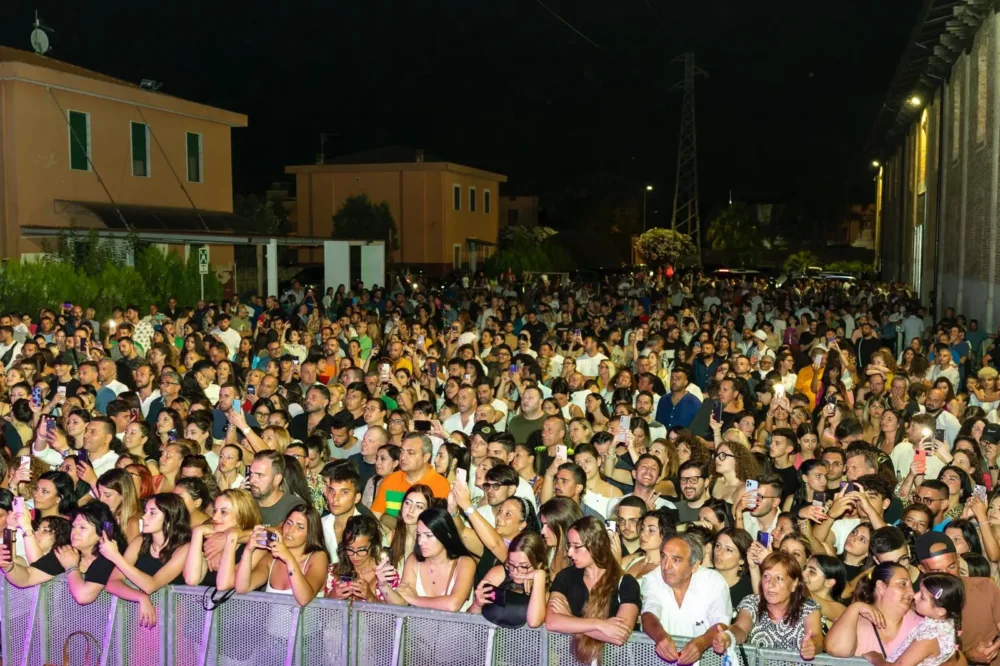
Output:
x,y
395,158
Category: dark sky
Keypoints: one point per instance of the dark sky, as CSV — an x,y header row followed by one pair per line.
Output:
x,y
503,85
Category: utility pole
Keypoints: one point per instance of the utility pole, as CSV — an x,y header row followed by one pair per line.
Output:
x,y
686,218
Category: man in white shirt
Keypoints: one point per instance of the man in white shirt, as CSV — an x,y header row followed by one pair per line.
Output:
x,y
919,433
97,440
686,599
944,366
10,349
342,494
763,517
465,417
588,363
943,419
229,337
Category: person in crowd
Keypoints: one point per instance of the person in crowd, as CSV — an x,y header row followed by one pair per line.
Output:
x,y
415,455
117,490
154,559
288,560
782,616
358,554
403,537
686,599
592,599
438,574
730,557
515,593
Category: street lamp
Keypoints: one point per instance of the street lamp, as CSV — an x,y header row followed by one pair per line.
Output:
x,y
649,188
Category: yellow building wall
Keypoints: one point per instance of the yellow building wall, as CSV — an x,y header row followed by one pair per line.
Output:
x,y
37,154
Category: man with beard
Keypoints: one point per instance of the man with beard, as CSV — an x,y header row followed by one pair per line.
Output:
x,y
315,417
267,474
943,419
644,408
693,478
705,365
865,503
678,408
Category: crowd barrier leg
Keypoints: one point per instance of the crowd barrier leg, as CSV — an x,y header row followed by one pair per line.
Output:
x,y
207,633
112,629
397,642
293,651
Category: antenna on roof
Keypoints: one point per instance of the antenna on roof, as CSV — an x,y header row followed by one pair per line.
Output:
x,y
39,38
150,84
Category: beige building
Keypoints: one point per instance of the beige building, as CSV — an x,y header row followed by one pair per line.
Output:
x,y
81,149
447,214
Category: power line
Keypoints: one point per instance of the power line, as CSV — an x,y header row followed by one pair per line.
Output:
x,y
570,26
658,19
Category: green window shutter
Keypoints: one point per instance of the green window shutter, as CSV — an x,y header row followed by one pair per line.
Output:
x,y
194,157
140,150
79,141
486,202
472,200
456,197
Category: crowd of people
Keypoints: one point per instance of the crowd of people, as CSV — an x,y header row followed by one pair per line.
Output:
x,y
809,466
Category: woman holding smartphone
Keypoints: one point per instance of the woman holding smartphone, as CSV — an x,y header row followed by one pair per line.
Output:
x,y
358,555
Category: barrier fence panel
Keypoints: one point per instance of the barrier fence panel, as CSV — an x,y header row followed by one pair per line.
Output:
x,y
261,629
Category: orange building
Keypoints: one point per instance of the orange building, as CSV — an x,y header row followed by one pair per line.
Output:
x,y
447,214
81,149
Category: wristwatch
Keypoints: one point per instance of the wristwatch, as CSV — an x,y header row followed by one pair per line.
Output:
x,y
468,512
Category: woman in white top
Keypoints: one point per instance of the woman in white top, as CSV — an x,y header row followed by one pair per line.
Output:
x,y
439,573
653,528
292,560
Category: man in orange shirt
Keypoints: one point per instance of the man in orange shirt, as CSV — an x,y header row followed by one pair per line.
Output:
x,y
414,469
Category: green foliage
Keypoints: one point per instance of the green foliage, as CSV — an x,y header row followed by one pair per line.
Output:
x,y
361,219
523,253
268,217
660,247
50,283
800,261
855,268
736,230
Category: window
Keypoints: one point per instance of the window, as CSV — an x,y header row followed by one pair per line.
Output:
x,y
472,200
194,157
79,141
982,81
456,256
486,201
140,150
456,196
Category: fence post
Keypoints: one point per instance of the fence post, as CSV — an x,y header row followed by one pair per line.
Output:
x,y
346,646
490,638
543,650
111,629
167,632
397,642
292,652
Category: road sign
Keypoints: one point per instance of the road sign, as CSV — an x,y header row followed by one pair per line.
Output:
x,y
203,261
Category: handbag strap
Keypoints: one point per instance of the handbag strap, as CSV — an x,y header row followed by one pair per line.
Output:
x,y
86,656
879,639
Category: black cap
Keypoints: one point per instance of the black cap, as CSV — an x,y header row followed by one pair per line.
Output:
x,y
483,429
991,433
66,358
933,544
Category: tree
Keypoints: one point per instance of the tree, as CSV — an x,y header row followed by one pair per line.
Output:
x,y
736,230
361,219
665,246
800,261
268,217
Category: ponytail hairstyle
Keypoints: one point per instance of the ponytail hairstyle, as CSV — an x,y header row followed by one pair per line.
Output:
x,y
882,573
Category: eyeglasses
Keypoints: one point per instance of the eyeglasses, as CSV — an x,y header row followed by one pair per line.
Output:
x,y
722,456
396,422
929,500
518,568
358,551
628,521
690,480
493,485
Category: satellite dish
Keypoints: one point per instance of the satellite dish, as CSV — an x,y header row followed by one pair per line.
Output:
x,y
39,41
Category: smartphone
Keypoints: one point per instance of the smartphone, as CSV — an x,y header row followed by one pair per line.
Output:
x,y
383,373
432,368
717,411
849,488
817,360
18,505
462,476
500,596
831,401
751,487
466,378
251,390
172,435
420,341
979,492
237,405
345,580
25,461
61,390
819,499
295,362
134,414
83,345
36,396
920,456
108,527
624,423
422,426
764,538
562,452
9,536
513,368
611,526
779,391
939,434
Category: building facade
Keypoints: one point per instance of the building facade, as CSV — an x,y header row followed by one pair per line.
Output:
x,y
446,214
518,210
82,150
936,162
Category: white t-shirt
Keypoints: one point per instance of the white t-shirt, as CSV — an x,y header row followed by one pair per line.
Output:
x,y
454,422
588,366
902,458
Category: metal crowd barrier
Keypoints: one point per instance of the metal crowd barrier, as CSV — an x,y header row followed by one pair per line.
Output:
x,y
262,629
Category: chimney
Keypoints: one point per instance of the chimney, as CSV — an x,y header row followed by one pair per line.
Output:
x,y
420,155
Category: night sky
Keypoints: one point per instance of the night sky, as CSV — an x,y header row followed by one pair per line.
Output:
x,y
504,85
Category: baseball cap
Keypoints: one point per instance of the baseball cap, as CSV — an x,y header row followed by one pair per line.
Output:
x,y
933,544
66,358
760,335
991,433
483,429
